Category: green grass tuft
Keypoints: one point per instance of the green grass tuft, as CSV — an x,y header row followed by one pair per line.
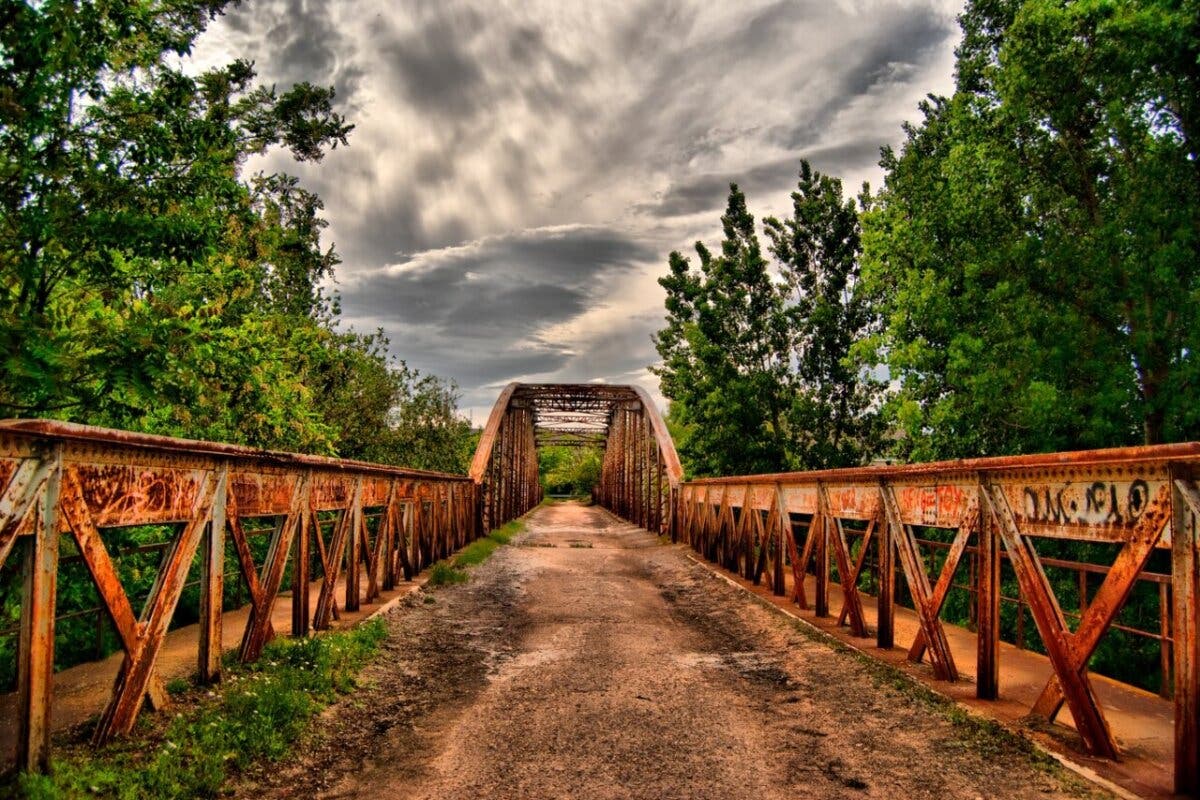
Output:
x,y
260,711
446,573
443,574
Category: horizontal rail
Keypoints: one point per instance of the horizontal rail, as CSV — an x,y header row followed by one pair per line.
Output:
x,y
1139,500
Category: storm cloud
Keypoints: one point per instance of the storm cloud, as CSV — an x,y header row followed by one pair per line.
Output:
x,y
519,171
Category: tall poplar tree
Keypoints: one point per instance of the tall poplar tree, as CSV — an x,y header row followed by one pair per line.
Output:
x,y
832,421
725,353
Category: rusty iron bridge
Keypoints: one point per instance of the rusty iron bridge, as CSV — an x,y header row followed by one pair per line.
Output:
x,y
362,528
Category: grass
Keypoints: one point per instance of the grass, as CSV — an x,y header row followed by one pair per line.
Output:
x,y
256,716
451,571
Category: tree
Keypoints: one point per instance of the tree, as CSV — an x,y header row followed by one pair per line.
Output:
x,y
571,471
831,419
725,353
1035,242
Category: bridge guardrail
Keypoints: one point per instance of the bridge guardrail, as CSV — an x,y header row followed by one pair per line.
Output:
x,y
1140,500
371,524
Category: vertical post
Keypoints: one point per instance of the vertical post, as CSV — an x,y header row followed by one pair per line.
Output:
x,y
212,584
885,636
1164,634
1185,590
509,424
821,556
658,489
35,653
642,473
987,605
673,514
300,576
519,465
388,527
353,548
784,530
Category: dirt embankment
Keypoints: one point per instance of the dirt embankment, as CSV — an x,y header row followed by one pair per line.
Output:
x,y
587,661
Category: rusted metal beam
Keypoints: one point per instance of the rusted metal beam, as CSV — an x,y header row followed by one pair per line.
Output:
x,y
1103,608
940,657
987,606
133,680
945,579
847,576
1085,708
1185,589
35,650
212,584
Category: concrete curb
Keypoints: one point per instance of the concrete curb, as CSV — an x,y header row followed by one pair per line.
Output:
x,y
414,586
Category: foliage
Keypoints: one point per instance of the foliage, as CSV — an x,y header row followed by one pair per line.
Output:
x,y
444,573
388,412
261,710
831,421
449,572
145,283
760,372
573,471
725,353
1034,248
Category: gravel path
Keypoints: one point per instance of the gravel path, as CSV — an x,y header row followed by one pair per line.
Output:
x,y
588,661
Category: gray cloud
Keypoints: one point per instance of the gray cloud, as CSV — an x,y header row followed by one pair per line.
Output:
x,y
436,72
698,193
518,171
503,289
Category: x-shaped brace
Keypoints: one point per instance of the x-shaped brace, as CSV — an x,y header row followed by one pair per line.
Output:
x,y
1069,652
940,657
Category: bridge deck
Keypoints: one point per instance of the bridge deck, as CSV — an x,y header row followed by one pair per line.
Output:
x,y
616,668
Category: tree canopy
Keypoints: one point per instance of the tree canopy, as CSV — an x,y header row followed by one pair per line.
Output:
x,y
756,357
1034,247
146,282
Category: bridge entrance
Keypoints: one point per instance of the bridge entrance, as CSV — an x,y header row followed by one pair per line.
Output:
x,y
640,473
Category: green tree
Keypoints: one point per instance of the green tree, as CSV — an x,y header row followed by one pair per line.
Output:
x,y
725,352
569,470
831,420
1035,243
144,284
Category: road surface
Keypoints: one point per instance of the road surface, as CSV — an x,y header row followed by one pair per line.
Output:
x,y
588,660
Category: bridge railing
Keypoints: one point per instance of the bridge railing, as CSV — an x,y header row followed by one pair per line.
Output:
x,y
640,474
505,465
1138,501
361,525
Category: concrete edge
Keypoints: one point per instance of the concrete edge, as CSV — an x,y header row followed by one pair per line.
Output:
x,y
1085,772
414,586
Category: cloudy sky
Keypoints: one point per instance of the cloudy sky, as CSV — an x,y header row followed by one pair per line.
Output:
x,y
519,171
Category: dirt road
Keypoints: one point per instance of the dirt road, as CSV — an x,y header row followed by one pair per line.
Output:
x,y
588,661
